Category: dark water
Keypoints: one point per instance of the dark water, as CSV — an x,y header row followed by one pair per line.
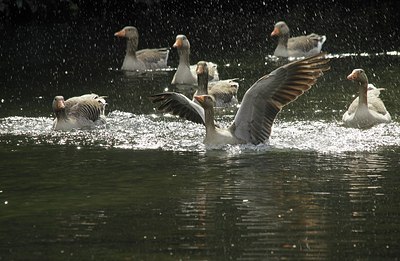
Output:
x,y
145,187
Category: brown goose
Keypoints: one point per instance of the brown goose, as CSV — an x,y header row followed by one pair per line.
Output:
x,y
223,93
146,59
186,73
80,112
301,46
262,102
367,109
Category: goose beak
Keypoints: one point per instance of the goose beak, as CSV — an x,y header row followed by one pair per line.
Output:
x,y
199,98
200,69
352,76
121,33
275,31
178,43
59,105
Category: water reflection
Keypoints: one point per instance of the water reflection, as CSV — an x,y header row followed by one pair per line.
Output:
x,y
269,210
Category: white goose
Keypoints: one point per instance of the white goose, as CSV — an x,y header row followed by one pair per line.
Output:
x,y
261,102
186,73
80,112
367,109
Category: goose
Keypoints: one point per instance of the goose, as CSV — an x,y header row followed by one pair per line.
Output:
x,y
146,59
367,109
186,73
261,102
79,112
223,92
301,46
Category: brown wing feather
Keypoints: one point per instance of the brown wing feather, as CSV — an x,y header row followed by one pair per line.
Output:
x,y
263,101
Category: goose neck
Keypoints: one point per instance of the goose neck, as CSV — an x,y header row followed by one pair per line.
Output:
x,y
202,84
61,115
131,47
283,40
209,119
184,57
363,89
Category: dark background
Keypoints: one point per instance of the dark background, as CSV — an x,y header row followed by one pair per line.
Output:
x,y
232,26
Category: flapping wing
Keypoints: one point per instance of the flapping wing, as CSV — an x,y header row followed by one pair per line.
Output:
x,y
178,104
264,100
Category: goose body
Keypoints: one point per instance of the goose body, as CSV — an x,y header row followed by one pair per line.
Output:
x,y
79,112
367,109
301,46
141,60
186,73
261,103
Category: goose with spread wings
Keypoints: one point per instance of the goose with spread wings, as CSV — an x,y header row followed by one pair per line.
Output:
x,y
261,102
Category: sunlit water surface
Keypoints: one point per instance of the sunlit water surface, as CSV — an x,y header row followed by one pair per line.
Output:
x,y
144,187
142,132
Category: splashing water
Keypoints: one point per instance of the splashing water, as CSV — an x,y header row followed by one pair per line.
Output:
x,y
142,132
274,58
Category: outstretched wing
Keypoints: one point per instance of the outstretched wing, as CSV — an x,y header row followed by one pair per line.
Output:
x,y
264,100
178,104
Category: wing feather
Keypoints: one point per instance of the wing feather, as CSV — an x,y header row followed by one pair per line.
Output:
x,y
178,104
266,97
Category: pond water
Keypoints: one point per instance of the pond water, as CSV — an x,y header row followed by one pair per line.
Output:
x,y
144,187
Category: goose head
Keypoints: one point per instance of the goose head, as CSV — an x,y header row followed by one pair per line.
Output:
x,y
206,101
129,32
58,105
181,42
358,75
202,68
202,77
280,28
132,36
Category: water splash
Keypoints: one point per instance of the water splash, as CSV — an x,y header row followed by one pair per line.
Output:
x,y
153,132
332,137
273,58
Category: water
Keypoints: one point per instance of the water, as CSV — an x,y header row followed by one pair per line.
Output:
x,y
144,187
